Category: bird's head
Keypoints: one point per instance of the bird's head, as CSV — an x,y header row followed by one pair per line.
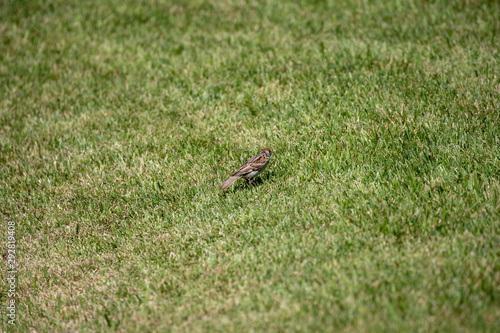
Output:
x,y
266,151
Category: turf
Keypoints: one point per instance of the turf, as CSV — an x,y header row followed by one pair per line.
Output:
x,y
379,210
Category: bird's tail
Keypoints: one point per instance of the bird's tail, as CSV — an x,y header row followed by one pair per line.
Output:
x,y
229,182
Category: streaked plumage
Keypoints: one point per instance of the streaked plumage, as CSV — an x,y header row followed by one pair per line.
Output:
x,y
250,168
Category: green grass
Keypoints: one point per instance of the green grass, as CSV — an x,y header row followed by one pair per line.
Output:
x,y
379,211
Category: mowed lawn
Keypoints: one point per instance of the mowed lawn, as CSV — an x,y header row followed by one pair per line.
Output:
x,y
379,210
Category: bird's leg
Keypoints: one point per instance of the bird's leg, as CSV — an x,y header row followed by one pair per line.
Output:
x,y
250,181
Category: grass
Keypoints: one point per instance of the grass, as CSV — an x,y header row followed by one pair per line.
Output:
x,y
379,210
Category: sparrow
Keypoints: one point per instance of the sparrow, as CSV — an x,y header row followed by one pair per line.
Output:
x,y
250,168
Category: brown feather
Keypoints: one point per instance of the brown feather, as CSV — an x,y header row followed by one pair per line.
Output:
x,y
229,182
250,168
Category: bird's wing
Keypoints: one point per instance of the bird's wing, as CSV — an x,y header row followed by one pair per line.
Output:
x,y
254,164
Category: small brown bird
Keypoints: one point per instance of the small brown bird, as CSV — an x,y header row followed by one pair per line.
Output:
x,y
250,168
